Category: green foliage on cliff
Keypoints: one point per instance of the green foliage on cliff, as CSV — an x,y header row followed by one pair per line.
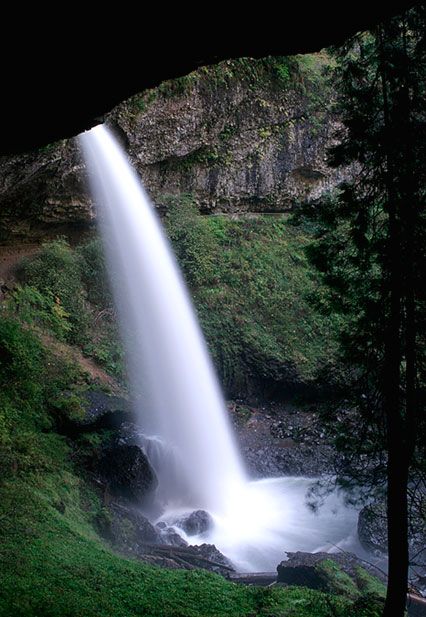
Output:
x,y
93,273
55,273
250,282
30,381
283,73
252,287
65,291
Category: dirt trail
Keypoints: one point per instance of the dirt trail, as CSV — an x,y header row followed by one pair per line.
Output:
x,y
76,357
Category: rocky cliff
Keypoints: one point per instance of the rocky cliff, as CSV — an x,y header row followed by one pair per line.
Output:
x,y
243,135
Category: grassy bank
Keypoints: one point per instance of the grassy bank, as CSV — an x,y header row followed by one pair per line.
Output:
x,y
53,563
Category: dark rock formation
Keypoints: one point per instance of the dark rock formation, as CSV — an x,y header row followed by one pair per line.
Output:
x,y
205,556
243,136
43,192
246,135
195,523
128,473
329,572
90,411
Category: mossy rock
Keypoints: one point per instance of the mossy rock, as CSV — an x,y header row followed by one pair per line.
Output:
x,y
339,574
336,580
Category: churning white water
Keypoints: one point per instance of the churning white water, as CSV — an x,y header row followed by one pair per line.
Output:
x,y
175,391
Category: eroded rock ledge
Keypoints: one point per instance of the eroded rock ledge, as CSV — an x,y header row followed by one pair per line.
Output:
x,y
242,136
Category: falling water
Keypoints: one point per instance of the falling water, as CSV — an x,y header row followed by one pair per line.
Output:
x,y
171,374
175,391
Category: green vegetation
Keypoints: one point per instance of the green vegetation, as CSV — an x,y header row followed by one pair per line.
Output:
x,y
52,561
252,287
283,67
65,292
55,273
251,284
29,380
53,565
368,584
338,581
140,102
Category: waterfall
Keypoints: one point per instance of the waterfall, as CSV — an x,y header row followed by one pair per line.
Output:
x,y
176,396
173,383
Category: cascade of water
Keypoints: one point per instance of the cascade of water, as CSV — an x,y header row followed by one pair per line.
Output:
x,y
173,382
175,391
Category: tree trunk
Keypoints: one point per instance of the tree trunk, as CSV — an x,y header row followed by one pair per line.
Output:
x,y
397,510
398,459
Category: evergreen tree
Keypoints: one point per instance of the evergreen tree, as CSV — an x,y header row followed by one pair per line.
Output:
x,y
370,247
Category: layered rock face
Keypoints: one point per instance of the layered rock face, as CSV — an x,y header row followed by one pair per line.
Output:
x,y
242,136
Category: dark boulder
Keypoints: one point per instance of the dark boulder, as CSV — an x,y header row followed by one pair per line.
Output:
x,y
127,472
196,523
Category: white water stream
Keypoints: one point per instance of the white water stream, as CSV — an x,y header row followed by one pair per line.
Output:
x,y
177,399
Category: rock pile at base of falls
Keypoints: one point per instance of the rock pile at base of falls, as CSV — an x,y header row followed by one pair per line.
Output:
x,y
126,482
280,439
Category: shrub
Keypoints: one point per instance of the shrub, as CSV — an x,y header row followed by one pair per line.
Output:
x,y
56,274
94,275
34,307
195,246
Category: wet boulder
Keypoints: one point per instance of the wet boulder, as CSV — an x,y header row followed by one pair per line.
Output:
x,y
196,523
127,473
